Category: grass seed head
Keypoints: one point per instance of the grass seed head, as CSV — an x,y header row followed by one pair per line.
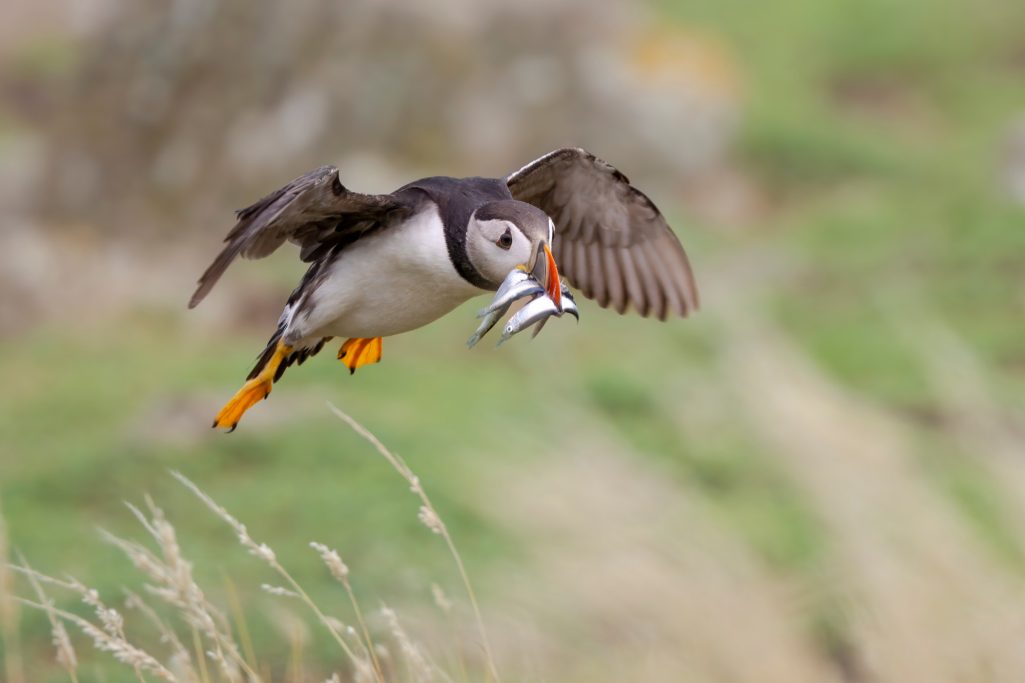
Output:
x,y
334,563
430,519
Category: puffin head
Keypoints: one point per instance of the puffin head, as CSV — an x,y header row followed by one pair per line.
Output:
x,y
507,234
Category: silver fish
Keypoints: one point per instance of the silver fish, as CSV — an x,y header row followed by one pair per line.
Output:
x,y
517,285
535,311
489,321
540,326
568,304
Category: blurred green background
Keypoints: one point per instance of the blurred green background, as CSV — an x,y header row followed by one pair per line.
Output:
x,y
818,477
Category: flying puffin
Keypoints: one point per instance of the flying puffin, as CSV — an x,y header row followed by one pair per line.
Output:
x,y
385,264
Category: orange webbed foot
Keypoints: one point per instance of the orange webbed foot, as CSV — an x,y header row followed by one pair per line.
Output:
x,y
357,352
252,392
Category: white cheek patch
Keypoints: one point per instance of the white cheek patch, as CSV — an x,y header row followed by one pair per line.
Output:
x,y
521,247
494,229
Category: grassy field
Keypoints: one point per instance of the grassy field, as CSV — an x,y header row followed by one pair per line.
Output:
x,y
819,473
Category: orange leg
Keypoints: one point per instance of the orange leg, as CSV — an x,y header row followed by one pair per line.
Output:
x,y
357,352
252,392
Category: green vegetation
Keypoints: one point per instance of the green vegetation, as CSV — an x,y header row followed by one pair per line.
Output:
x,y
873,129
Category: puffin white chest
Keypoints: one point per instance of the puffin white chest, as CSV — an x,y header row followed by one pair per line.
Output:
x,y
391,282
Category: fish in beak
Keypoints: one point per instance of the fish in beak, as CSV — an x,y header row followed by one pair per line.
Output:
x,y
536,311
538,283
547,273
518,285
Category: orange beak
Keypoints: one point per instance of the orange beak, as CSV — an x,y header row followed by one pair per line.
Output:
x,y
552,284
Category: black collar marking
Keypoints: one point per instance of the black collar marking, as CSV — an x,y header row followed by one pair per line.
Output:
x,y
457,199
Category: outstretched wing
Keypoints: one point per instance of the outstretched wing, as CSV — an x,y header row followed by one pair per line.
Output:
x,y
611,241
314,211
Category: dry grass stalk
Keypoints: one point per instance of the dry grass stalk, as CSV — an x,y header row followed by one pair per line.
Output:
x,y
430,517
9,616
121,649
445,605
279,591
175,585
180,661
340,572
109,636
197,646
265,553
110,619
65,651
238,615
417,666
440,599
171,581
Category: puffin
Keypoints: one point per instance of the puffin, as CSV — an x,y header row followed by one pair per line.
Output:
x,y
385,264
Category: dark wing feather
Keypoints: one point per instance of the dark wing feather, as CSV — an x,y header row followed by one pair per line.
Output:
x,y
314,211
610,239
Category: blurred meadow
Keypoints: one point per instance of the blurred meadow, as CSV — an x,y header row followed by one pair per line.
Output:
x,y
818,477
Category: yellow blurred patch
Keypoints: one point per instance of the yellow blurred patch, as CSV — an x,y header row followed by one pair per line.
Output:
x,y
688,59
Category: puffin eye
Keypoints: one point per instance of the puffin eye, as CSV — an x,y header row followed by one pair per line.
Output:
x,y
505,241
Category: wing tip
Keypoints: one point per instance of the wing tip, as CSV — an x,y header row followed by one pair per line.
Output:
x,y
197,297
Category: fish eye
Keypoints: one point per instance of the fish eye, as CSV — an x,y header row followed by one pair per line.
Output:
x,y
505,241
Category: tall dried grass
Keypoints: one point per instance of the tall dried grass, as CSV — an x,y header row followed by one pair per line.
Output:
x,y
217,650
9,633
625,575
